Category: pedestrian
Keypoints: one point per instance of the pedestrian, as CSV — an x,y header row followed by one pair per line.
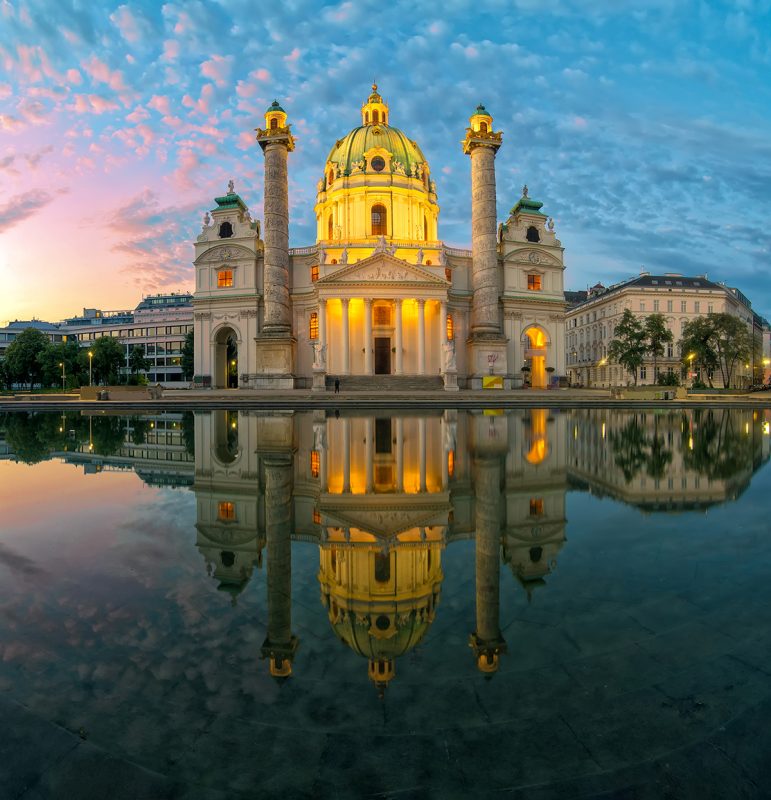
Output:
x,y
337,385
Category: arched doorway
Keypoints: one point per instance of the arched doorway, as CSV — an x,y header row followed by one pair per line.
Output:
x,y
226,359
535,356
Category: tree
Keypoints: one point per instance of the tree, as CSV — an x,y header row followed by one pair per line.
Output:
x,y
74,359
629,344
697,348
23,356
5,378
108,359
657,335
717,341
138,361
188,355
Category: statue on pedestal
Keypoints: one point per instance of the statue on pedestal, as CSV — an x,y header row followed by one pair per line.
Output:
x,y
450,364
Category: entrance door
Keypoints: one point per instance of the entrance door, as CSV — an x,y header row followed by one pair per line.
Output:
x,y
382,355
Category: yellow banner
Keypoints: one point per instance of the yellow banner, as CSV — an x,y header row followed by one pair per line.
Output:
x,y
492,382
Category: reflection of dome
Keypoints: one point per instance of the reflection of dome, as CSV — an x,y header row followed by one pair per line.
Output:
x,y
379,603
364,139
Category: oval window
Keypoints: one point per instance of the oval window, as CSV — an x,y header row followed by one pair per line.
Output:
x,y
378,163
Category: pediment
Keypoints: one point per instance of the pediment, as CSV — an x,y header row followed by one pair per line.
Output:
x,y
530,255
225,252
386,522
383,268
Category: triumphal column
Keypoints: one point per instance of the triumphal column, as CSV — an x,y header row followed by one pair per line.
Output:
x,y
486,343
275,344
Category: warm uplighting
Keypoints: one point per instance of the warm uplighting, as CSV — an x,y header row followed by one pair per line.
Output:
x,y
315,463
450,328
226,511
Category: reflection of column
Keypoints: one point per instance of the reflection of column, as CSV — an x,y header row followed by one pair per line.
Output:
x,y
346,370
399,454
421,337
445,451
487,641
368,343
323,327
398,367
346,456
279,645
422,452
442,327
370,451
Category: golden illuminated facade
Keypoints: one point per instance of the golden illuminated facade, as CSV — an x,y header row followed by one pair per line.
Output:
x,y
378,300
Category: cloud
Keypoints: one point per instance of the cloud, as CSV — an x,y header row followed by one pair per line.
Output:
x,y
133,28
21,564
92,104
99,72
217,69
21,207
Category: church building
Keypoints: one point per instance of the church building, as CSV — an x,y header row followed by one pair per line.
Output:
x,y
379,301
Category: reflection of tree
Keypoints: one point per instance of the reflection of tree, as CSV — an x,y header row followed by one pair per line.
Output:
x,y
634,451
719,450
188,432
108,435
139,430
33,437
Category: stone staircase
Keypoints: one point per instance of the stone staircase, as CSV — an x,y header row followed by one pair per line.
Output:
x,y
386,383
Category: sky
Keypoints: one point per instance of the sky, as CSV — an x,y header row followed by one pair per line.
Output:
x,y
643,126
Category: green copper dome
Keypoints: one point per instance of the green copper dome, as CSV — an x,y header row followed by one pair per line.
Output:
x,y
351,148
274,106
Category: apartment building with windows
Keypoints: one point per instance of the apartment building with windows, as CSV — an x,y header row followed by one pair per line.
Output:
x,y
592,317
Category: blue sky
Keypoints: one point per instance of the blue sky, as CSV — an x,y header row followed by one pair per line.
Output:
x,y
644,127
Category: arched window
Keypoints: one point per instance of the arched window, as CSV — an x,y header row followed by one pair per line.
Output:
x,y
330,177
450,328
226,230
483,127
532,234
313,325
375,117
382,567
330,228
425,228
366,117
379,221
274,123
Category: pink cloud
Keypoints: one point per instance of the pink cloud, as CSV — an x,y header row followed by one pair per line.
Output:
x,y
245,140
5,91
293,56
138,115
170,50
130,27
73,76
99,72
159,103
217,68
92,104
202,104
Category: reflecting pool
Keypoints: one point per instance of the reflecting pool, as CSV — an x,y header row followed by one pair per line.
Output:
x,y
533,604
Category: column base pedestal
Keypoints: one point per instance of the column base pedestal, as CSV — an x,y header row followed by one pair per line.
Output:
x,y
274,362
451,381
488,363
319,382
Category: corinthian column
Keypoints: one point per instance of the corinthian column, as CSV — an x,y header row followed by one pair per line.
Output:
x,y
481,144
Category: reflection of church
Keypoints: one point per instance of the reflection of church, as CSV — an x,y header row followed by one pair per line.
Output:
x,y
378,294
382,497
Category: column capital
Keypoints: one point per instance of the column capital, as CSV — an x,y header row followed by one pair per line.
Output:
x,y
475,139
421,302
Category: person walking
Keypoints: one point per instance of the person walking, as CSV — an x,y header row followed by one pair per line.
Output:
x,y
337,385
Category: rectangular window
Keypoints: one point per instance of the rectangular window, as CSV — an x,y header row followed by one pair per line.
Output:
x,y
697,307
450,328
670,350
450,463
316,517
313,327
534,283
669,305
226,511
224,278
683,306
643,373
383,435
710,308
536,506
655,305
314,273
315,463
642,305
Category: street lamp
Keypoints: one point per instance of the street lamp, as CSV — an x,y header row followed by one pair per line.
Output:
x,y
61,364
90,374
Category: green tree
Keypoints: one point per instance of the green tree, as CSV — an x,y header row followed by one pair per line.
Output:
x,y
717,341
629,344
697,347
138,361
23,356
657,335
109,356
188,355
5,378
73,358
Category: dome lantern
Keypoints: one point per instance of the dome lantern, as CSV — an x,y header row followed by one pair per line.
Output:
x,y
275,116
375,110
481,121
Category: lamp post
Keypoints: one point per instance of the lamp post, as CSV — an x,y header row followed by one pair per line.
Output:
x,y
61,364
90,374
